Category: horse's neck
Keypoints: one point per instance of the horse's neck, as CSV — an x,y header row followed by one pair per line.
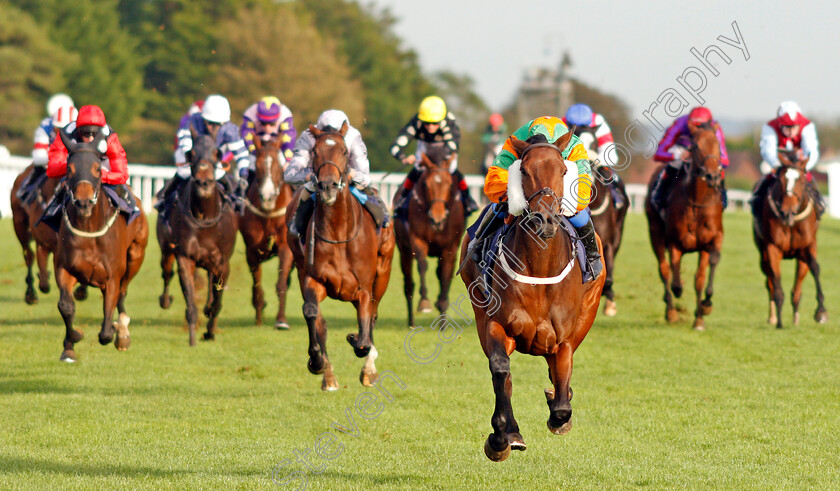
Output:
x,y
696,188
98,216
541,256
341,216
204,207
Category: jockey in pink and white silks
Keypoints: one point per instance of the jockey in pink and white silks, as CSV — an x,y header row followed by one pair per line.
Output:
x,y
300,172
789,132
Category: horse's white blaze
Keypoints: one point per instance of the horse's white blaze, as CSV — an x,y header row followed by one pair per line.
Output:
x,y
437,179
267,189
329,143
792,175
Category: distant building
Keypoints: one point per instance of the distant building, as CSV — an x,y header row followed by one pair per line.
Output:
x,y
545,91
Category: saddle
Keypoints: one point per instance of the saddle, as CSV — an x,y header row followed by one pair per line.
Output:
x,y
28,191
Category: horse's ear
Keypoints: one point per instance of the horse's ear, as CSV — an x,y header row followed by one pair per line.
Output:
x,y
315,131
258,143
518,145
426,162
68,143
784,159
694,129
344,127
564,140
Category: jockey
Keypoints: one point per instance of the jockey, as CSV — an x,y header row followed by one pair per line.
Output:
x,y
593,130
300,171
62,112
790,131
493,139
577,183
269,119
432,124
213,120
673,149
89,124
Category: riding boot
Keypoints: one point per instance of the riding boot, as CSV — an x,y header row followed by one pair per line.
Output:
x,y
760,190
816,197
376,208
492,221
593,256
401,208
29,187
303,213
660,189
470,206
724,196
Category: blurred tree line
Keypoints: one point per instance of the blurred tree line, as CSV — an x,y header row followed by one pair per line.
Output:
x,y
145,61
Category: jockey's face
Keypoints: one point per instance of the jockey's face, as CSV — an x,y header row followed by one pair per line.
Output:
x,y
272,126
212,128
791,131
87,136
432,127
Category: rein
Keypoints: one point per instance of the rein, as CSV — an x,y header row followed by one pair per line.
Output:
x,y
602,208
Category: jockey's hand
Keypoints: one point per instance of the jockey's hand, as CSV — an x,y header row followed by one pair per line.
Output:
x,y
309,184
677,152
410,160
243,185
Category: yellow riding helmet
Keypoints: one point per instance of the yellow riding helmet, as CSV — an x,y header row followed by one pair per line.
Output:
x,y
432,110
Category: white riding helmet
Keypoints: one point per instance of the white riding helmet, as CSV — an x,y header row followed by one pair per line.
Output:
x,y
64,116
332,118
57,101
216,109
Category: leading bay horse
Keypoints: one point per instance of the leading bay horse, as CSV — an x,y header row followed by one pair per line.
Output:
x,y
96,246
433,227
542,308
263,226
609,223
693,223
786,228
345,257
201,234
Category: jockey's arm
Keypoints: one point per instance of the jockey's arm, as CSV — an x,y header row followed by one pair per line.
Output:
x,y
810,145
769,146
288,135
57,165
663,153
724,155
247,132
404,137
299,168
41,146
359,163
118,173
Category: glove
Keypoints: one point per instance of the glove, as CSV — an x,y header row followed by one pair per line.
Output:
x,y
309,184
677,152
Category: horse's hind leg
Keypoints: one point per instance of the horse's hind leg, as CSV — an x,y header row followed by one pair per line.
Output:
x,y
67,308
559,404
123,339
699,283
671,314
285,263
21,225
445,270
406,259
257,294
772,257
215,289
821,315
42,253
610,308
714,259
676,281
167,263
497,447
796,293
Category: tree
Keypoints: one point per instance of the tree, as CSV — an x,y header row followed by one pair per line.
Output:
x,y
33,69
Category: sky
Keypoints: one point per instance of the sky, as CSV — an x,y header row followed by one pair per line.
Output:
x,y
637,50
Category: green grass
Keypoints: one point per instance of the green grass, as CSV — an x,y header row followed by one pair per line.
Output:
x,y
741,405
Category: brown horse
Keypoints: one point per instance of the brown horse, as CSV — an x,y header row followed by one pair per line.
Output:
x,y
609,223
543,308
344,257
434,227
24,217
786,228
263,227
96,247
693,223
201,234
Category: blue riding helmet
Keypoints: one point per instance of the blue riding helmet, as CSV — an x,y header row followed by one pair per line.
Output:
x,y
579,115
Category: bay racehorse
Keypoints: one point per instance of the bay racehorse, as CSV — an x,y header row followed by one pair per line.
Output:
x,y
433,227
96,246
693,223
786,228
540,306
25,217
345,257
263,226
609,223
201,234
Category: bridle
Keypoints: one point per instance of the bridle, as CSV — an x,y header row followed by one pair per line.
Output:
x,y
806,205
697,168
342,173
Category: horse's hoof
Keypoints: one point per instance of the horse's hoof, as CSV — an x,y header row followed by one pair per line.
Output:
x,y
68,356
281,326
316,368
122,343
209,336
610,308
105,337
329,383
425,306
368,379
672,316
76,336
677,290
361,351
31,298
516,442
699,325
45,288
706,307
796,318
821,316
165,301
80,293
493,454
560,430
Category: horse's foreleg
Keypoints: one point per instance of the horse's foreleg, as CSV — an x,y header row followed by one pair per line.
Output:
x,y
445,270
420,252
362,342
42,253
285,263
495,344
676,281
699,283
123,340
714,260
30,297
559,398
665,275
167,262
67,308
796,292
408,283
215,288
313,294
774,279
110,295
257,295
821,315
610,308
186,275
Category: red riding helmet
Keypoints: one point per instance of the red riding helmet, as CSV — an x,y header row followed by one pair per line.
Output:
x,y
90,116
699,115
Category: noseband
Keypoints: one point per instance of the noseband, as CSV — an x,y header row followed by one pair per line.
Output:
x,y
342,174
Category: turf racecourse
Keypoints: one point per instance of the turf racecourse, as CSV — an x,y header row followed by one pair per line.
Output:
x,y
741,405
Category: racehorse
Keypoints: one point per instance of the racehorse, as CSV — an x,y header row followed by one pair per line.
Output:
x,y
786,228
693,223
344,257
433,227
97,246
609,223
201,234
544,309
24,217
263,226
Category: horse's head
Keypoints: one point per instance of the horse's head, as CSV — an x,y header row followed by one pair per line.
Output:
x,y
793,158
434,190
203,159
536,184
705,156
269,172
329,159
790,193
84,172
